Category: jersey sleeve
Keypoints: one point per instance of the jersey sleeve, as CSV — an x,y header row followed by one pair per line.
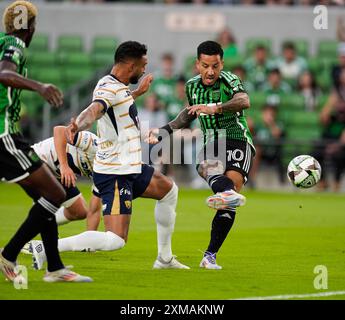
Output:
x,y
234,84
104,94
85,141
188,94
12,52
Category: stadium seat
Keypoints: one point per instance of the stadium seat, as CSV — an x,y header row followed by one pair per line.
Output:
x,y
292,101
75,75
104,44
301,119
315,65
43,59
75,59
48,75
321,101
40,42
70,43
231,63
327,49
102,60
304,133
324,80
33,102
302,46
257,100
251,44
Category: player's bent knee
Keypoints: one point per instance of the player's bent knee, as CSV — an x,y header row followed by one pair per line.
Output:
x,y
113,241
171,196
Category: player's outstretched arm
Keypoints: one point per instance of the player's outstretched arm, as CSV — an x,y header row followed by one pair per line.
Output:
x,y
183,119
239,102
10,78
68,178
85,120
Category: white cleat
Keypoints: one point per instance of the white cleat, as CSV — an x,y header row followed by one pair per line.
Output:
x,y
38,254
172,264
7,268
209,262
65,275
226,200
27,249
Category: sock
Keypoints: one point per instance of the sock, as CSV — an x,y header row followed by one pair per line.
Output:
x,y
60,217
219,183
41,219
28,230
92,241
221,225
165,216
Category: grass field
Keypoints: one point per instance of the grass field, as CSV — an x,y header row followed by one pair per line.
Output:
x,y
276,242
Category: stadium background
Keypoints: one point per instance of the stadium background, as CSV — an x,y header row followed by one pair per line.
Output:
x,y
278,238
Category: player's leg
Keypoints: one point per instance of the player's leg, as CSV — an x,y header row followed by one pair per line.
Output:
x,y
152,184
117,210
237,169
94,213
73,208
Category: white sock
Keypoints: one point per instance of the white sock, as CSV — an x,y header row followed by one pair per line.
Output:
x,y
165,216
91,241
60,217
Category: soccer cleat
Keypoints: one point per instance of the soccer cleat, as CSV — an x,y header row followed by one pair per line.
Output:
x,y
27,249
172,264
38,254
209,261
229,199
7,268
65,275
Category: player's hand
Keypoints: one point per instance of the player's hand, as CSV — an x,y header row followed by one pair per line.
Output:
x,y
68,178
71,131
144,84
151,136
51,94
201,108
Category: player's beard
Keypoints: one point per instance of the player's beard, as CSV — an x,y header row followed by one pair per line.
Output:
x,y
134,79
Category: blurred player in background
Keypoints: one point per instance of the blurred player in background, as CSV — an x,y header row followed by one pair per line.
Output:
x,y
218,99
18,161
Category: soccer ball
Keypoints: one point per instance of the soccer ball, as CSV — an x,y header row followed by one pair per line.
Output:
x,y
304,171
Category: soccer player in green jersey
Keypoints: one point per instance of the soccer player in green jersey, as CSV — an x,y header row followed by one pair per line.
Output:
x,y
217,98
18,161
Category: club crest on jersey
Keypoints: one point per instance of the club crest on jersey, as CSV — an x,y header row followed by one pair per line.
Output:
x,y
128,94
215,95
128,204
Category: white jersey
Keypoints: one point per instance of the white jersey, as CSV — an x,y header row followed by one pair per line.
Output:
x,y
119,147
80,155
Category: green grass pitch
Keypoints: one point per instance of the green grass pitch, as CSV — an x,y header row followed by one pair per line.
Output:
x,y
273,248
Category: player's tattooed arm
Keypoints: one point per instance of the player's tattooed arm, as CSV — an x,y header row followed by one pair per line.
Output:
x,y
239,102
85,120
182,120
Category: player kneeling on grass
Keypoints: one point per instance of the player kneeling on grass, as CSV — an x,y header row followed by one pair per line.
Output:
x,y
118,172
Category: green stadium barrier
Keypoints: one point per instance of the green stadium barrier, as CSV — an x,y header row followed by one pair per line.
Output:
x,y
70,43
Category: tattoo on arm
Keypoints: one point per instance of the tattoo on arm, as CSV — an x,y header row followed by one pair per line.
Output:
x,y
92,113
239,102
182,120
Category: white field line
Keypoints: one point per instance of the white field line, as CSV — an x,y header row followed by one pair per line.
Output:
x,y
296,296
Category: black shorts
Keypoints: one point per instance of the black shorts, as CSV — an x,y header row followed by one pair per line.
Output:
x,y
17,159
225,155
118,191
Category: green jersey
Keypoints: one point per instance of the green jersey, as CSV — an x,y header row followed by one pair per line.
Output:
x,y
12,49
231,125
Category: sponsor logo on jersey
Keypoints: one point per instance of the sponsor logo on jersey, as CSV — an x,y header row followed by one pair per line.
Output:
x,y
124,191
